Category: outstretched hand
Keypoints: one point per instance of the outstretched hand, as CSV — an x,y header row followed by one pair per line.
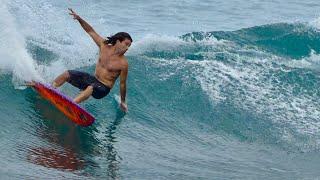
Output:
x,y
124,107
75,15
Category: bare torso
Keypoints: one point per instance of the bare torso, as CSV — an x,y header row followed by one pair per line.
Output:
x,y
109,65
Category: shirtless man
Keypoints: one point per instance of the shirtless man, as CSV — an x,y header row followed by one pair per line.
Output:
x,y
111,64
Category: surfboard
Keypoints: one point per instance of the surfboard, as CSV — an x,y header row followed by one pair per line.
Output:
x,y
63,103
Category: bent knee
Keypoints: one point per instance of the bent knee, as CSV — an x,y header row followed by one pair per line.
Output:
x,y
66,75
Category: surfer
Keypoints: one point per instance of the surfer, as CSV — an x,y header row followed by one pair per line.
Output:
x,y
110,65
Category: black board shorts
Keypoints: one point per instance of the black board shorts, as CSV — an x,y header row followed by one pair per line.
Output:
x,y
82,80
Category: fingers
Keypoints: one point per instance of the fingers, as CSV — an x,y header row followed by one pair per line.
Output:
x,y
124,107
124,110
71,10
75,16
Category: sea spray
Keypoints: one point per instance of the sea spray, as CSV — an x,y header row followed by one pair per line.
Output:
x,y
14,56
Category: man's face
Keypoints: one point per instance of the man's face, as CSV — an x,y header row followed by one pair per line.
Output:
x,y
123,46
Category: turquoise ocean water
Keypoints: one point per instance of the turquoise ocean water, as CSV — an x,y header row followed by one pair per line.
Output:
x,y
216,90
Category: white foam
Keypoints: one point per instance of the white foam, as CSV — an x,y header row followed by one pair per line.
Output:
x,y
255,84
14,56
154,42
311,62
315,23
43,26
157,42
252,81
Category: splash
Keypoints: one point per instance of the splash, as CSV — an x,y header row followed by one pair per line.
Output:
x,y
14,56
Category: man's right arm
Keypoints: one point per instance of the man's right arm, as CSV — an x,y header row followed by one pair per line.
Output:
x,y
95,36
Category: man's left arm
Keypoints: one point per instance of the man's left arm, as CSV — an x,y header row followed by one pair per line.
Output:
x,y
123,87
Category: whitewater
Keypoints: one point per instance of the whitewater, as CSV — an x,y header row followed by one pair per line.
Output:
x,y
216,90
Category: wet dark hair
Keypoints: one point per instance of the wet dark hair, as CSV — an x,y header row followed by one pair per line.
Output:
x,y
121,36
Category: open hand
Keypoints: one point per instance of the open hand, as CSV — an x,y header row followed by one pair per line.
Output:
x,y
124,107
75,15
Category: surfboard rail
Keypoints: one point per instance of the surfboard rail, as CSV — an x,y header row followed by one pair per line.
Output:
x,y
69,108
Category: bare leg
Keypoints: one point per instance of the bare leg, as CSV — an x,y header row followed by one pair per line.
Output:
x,y
84,95
61,79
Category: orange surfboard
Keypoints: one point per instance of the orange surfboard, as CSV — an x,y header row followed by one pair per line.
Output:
x,y
72,110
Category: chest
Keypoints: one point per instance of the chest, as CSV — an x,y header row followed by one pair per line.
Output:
x,y
109,62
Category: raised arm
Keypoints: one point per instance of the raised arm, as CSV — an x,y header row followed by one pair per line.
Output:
x,y
123,88
95,36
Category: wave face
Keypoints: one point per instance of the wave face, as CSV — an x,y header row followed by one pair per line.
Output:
x,y
230,104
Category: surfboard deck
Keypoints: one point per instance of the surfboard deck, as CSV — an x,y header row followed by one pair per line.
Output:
x,y
72,110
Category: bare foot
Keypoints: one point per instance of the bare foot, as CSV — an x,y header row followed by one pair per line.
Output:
x,y
54,85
